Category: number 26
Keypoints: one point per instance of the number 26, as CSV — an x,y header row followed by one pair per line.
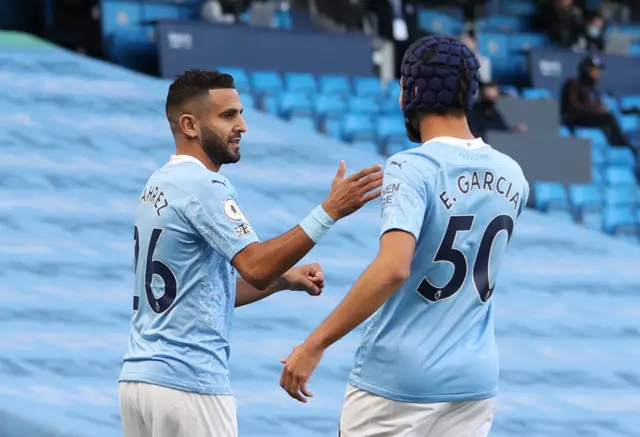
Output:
x,y
155,267
447,253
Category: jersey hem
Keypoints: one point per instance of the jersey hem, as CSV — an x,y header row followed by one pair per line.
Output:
x,y
165,382
379,391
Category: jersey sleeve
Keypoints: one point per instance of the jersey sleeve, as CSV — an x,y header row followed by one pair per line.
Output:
x,y
404,197
217,217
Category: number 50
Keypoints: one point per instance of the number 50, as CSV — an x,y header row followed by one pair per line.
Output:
x,y
447,253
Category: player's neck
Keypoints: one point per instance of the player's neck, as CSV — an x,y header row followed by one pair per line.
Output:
x,y
434,126
198,153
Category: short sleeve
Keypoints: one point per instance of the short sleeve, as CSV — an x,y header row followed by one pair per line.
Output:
x,y
217,217
404,197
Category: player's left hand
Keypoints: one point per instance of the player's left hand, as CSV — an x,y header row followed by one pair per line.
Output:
x,y
298,368
307,278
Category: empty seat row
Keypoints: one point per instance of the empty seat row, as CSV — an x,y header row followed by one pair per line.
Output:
x,y
271,82
290,104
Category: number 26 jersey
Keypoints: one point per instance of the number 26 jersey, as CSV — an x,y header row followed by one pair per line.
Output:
x,y
433,341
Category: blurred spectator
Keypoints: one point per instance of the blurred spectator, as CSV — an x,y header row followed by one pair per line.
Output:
x,y
211,12
485,116
581,103
485,62
592,38
561,20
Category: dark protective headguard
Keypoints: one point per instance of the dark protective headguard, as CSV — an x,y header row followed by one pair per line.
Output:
x,y
438,74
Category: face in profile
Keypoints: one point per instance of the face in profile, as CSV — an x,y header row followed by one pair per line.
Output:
x,y
221,126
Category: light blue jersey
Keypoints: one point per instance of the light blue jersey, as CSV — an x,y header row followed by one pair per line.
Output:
x,y
433,341
188,228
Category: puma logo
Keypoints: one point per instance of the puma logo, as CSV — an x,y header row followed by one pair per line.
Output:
x,y
399,164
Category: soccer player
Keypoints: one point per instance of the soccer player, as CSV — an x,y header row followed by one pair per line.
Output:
x,y
190,239
427,363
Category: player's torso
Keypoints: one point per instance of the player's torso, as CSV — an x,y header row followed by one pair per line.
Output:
x,y
184,292
433,341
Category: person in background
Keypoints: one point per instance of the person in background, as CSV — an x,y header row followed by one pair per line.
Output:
x,y
561,20
592,38
485,116
485,62
581,103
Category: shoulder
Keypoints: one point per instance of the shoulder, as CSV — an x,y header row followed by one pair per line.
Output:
x,y
201,182
413,162
507,161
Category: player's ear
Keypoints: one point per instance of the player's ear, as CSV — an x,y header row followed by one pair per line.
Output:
x,y
187,124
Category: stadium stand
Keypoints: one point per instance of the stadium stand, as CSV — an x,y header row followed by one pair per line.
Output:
x,y
78,139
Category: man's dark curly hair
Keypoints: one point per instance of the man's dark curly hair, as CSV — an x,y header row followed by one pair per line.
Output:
x,y
191,85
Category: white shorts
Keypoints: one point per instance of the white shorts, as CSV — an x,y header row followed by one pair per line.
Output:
x,y
153,411
367,415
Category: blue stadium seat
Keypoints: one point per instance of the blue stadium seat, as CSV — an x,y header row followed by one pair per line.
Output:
x,y
629,103
307,122
598,155
328,106
610,103
619,221
593,134
517,7
596,174
565,131
391,129
628,123
300,83
524,42
619,157
333,128
363,105
509,90
389,106
437,22
240,78
585,196
501,23
493,44
620,196
618,176
586,200
335,84
294,104
536,93
550,196
367,87
266,82
271,104
358,127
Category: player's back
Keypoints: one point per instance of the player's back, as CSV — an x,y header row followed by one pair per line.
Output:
x,y
184,284
433,341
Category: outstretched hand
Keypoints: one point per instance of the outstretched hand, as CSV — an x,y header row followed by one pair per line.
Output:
x,y
349,194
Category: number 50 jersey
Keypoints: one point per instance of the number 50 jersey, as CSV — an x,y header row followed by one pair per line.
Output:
x,y
433,341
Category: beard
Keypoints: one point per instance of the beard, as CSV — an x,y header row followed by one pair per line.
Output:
x,y
217,149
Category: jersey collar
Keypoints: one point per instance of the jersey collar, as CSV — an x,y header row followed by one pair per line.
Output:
x,y
179,159
476,143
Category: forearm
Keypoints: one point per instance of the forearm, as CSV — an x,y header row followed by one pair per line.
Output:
x,y
269,260
247,293
262,263
369,293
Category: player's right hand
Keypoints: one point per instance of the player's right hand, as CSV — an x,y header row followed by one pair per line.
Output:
x,y
349,194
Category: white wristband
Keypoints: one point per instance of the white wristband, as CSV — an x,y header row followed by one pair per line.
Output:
x,y
316,224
